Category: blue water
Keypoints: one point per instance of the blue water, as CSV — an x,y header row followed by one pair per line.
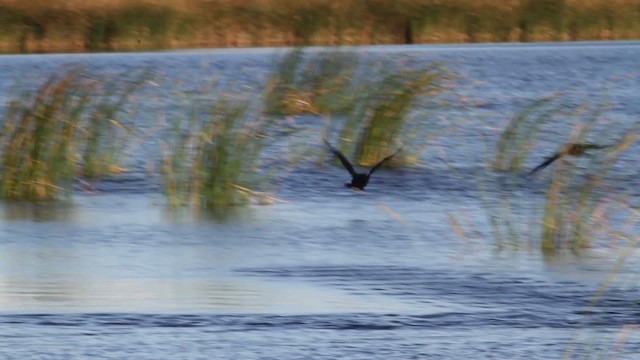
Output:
x,y
330,273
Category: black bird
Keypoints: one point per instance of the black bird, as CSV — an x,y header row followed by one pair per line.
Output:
x,y
358,180
571,150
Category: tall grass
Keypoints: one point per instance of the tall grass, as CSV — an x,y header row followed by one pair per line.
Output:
x,y
105,129
40,25
383,115
315,82
67,127
212,161
577,207
370,105
521,132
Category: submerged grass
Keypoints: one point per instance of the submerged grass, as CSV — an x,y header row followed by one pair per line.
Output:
x,y
66,128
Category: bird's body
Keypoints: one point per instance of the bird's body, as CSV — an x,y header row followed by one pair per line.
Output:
x,y
358,180
568,149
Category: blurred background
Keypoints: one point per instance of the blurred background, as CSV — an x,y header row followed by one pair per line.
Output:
x,y
104,25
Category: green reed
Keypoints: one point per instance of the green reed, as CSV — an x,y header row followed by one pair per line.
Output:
x,y
105,127
576,205
378,124
574,210
393,105
212,161
316,82
520,134
61,130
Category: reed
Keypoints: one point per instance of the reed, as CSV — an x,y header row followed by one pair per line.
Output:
x,y
385,104
314,82
105,132
41,25
212,161
576,206
392,107
369,103
520,134
36,145
66,128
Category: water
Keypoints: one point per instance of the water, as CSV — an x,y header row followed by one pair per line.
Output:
x,y
330,273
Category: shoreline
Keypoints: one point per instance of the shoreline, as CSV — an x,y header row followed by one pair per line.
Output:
x,y
349,46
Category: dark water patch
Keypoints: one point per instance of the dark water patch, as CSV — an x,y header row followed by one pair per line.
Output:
x,y
257,322
439,182
139,182
540,301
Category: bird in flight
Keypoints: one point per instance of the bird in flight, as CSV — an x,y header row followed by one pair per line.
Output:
x,y
578,149
358,180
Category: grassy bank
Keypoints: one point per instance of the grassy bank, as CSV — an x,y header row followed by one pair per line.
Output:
x,y
74,25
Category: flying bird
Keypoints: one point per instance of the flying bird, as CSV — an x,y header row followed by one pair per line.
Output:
x,y
358,180
568,149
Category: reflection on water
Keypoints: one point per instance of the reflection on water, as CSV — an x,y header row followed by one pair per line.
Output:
x,y
228,215
57,210
225,295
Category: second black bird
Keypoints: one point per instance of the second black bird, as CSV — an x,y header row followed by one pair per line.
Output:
x,y
568,149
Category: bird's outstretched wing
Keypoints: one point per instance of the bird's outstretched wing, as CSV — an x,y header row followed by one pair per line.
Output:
x,y
546,163
581,148
376,166
597,146
345,162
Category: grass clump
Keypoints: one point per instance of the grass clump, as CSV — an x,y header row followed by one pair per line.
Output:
x,y
384,112
579,205
370,103
391,106
213,160
66,128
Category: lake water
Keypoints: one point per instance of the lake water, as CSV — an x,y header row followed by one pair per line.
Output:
x,y
331,273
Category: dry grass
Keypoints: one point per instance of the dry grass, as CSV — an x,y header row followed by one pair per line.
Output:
x,y
41,25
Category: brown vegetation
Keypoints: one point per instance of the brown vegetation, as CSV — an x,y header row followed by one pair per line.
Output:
x,y
74,25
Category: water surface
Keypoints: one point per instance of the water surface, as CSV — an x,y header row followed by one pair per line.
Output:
x,y
329,273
